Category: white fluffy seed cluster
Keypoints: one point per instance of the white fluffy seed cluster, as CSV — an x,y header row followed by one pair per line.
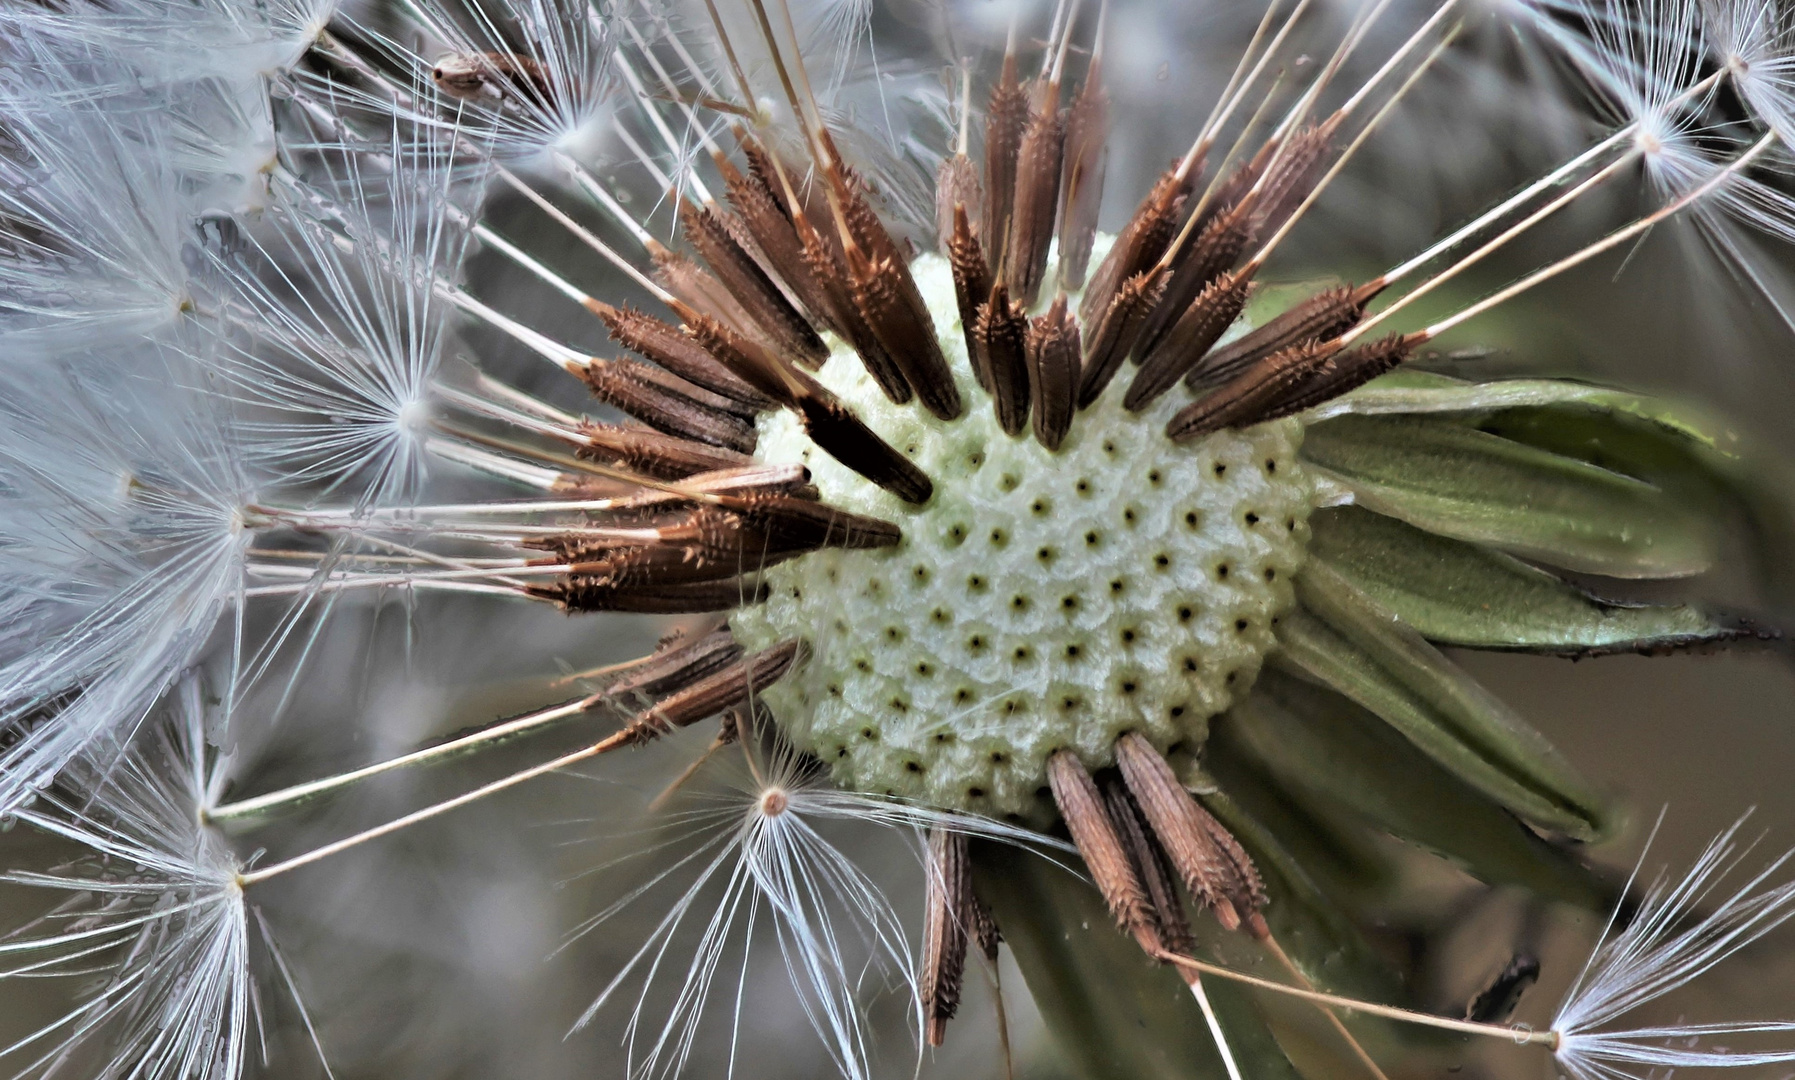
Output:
x,y
1039,600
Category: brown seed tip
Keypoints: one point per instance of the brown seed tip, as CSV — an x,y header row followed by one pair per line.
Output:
x,y
1094,833
948,915
956,185
1201,326
1006,115
1052,353
1002,334
972,285
1038,163
1182,828
1113,337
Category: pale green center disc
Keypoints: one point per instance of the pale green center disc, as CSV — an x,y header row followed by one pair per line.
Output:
x,y
1041,599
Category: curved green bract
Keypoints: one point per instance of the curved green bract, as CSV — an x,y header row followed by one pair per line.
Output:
x,y
1458,593
1454,480
1348,641
1310,740
1420,392
1113,1013
1693,456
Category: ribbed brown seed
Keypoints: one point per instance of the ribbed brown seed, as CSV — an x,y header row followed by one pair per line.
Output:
x,y
1038,164
792,480
1176,820
1081,186
704,545
972,285
947,917
652,453
1211,252
1052,350
1251,396
1138,246
1081,805
893,307
1291,381
725,595
722,551
663,343
956,185
813,206
722,533
643,570
829,423
831,269
1216,248
674,384
832,426
1327,314
1149,864
1228,195
678,663
1293,174
1002,335
1006,115
791,523
1203,323
763,174
1115,334
1246,889
757,197
714,693
635,389
748,360
738,271
1344,372
985,932
700,290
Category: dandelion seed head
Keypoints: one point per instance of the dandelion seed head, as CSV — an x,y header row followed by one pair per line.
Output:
x,y
172,41
153,902
760,877
1118,580
120,545
1041,599
95,254
336,325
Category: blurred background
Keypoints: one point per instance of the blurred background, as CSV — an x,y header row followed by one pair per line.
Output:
x,y
450,950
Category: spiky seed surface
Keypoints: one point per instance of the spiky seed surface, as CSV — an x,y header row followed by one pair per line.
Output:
x,y
1041,599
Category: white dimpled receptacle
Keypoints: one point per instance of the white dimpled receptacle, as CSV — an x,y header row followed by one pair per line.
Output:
x,y
1040,600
